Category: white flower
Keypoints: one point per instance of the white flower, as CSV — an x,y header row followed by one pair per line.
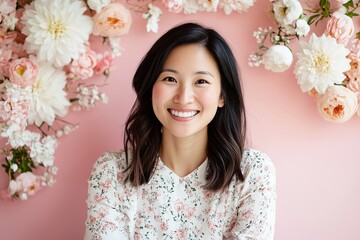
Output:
x,y
191,6
116,49
302,27
277,58
97,5
287,11
153,17
10,21
48,97
42,152
321,63
56,30
236,5
208,6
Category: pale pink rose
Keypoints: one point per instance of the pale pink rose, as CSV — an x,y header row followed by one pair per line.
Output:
x,y
104,63
354,72
175,6
23,72
7,6
340,27
337,104
28,183
113,20
83,67
354,85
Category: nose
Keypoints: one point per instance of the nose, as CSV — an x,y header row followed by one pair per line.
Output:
x,y
184,94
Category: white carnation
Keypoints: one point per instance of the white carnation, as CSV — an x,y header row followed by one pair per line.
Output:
x,y
277,58
302,27
287,11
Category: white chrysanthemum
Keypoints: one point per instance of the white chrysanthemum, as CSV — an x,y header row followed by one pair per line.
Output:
x,y
56,30
48,97
236,5
287,11
321,63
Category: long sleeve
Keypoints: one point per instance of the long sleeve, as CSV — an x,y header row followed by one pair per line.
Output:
x,y
104,218
256,214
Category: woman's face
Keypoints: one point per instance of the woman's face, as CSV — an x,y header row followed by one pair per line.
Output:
x,y
186,95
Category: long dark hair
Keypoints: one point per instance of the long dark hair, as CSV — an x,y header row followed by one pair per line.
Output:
x,y
226,132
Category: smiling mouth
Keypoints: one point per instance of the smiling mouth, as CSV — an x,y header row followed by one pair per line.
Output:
x,y
180,114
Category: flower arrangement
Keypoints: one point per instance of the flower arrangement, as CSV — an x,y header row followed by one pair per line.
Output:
x,y
47,64
327,65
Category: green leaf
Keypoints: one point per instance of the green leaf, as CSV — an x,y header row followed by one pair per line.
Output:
x,y
312,18
352,14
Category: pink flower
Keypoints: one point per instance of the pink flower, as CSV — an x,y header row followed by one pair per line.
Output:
x,y
7,6
337,104
113,20
175,6
179,205
28,183
104,63
83,67
23,72
354,72
340,27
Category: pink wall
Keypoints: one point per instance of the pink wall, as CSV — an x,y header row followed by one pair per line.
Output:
x,y
318,163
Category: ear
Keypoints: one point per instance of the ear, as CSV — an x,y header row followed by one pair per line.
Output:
x,y
221,101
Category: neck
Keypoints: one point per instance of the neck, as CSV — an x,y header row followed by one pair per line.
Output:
x,y
183,155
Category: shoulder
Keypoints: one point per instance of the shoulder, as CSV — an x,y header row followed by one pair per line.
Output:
x,y
111,161
256,162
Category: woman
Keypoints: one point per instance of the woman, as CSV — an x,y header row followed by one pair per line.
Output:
x,y
184,172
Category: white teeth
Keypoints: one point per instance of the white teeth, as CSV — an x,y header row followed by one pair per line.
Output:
x,y
183,114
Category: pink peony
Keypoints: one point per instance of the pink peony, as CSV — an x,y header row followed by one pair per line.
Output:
x,y
104,64
340,27
83,67
337,104
23,72
175,6
113,20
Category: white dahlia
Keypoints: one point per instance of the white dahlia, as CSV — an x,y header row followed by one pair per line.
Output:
x,y
48,97
321,63
56,30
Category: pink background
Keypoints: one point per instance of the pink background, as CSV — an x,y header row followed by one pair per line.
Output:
x,y
318,163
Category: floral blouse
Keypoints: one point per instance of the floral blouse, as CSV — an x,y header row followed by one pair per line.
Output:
x,y
171,207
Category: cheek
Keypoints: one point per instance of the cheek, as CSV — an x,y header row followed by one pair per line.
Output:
x,y
159,97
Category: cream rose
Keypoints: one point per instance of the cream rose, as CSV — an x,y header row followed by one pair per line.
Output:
x,y
112,21
337,104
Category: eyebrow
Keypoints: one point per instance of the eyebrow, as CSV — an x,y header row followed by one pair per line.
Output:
x,y
198,72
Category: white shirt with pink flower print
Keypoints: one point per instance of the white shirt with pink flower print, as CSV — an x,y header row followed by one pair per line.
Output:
x,y
170,207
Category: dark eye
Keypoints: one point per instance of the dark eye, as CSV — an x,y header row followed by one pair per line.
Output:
x,y
170,79
201,81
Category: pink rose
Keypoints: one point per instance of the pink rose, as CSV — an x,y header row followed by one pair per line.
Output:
x,y
28,183
23,72
113,20
354,71
104,64
83,67
175,6
340,27
337,104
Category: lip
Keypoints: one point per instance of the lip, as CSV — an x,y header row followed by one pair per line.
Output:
x,y
182,114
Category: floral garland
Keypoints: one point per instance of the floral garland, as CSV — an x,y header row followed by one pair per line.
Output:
x,y
327,66
47,67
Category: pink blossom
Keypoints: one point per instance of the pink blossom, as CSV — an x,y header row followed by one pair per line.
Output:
x,y
23,72
340,27
28,183
179,205
103,64
83,67
354,72
337,104
354,85
175,6
113,20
